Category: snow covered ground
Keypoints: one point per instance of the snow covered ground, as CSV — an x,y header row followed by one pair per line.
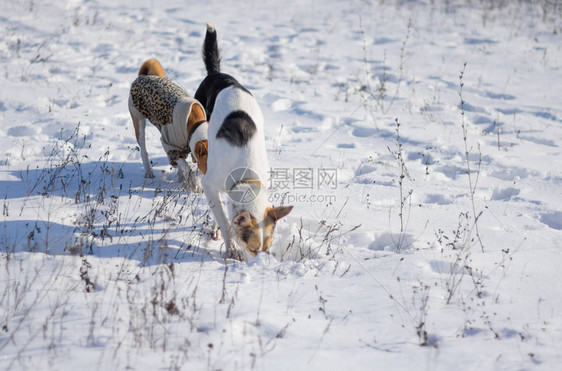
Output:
x,y
438,248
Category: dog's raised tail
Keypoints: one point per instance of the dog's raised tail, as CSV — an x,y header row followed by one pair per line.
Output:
x,y
211,50
152,67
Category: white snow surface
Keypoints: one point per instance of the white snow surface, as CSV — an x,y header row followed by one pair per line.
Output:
x,y
434,250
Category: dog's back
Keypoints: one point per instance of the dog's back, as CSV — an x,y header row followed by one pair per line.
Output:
x,y
236,132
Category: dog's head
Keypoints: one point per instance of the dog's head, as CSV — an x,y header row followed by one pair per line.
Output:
x,y
255,236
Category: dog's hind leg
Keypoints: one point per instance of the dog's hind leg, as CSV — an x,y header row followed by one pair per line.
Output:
x,y
141,140
139,124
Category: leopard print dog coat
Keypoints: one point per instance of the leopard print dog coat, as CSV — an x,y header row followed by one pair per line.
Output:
x,y
167,106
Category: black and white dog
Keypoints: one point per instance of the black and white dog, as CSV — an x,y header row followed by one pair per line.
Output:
x,y
237,161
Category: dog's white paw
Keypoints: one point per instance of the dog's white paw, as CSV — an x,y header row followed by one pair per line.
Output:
x,y
216,233
181,177
195,188
187,177
234,253
191,184
149,174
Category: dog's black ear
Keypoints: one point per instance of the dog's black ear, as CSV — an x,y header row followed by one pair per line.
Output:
x,y
244,219
279,212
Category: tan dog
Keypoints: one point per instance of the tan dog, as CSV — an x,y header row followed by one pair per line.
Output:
x,y
181,120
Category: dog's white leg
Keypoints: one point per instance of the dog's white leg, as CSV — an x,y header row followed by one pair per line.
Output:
x,y
184,170
215,233
188,176
139,123
217,208
144,154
